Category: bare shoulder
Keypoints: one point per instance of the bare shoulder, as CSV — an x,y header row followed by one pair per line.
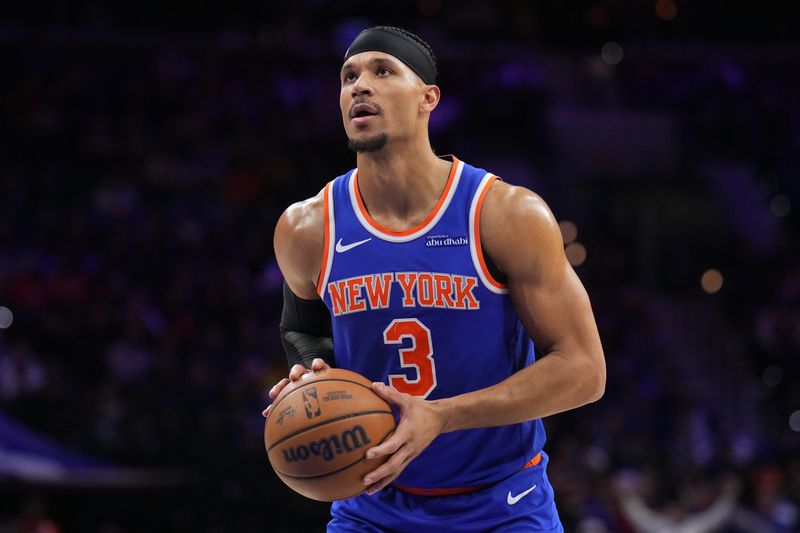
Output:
x,y
304,220
299,241
519,231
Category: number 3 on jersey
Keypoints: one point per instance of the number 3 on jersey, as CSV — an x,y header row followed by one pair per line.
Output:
x,y
418,356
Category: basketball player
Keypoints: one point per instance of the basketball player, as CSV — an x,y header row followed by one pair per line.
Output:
x,y
430,277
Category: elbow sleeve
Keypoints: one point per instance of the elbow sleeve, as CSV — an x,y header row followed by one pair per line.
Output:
x,y
306,330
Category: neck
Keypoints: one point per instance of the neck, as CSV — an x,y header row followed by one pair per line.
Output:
x,y
401,184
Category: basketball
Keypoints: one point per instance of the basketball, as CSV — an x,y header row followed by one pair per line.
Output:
x,y
318,432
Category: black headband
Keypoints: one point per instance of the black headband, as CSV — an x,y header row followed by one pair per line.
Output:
x,y
403,47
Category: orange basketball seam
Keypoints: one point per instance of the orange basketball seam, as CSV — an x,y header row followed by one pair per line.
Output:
x,y
326,422
298,387
335,471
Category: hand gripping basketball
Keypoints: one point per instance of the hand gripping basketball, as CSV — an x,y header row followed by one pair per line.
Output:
x,y
295,373
319,428
421,421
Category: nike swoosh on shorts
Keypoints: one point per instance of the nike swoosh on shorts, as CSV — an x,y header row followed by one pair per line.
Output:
x,y
511,500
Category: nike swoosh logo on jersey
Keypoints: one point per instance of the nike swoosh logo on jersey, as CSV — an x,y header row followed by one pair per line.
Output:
x,y
514,499
341,248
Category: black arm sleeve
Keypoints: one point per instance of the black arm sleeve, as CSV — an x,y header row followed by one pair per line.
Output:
x,y
306,330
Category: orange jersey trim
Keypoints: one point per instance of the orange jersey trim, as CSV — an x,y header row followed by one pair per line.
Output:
x,y
326,240
454,491
477,236
420,226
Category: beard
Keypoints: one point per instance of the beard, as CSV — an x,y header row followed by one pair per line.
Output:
x,y
373,144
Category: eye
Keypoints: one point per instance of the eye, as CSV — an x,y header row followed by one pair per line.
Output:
x,y
384,71
349,76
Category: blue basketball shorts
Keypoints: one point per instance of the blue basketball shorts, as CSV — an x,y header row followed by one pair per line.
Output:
x,y
522,502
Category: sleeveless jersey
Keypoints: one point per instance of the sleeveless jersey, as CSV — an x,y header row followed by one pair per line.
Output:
x,y
420,311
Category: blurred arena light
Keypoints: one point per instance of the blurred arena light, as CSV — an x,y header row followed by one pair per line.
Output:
x,y
780,205
666,10
6,317
772,376
576,253
569,231
612,53
794,421
711,281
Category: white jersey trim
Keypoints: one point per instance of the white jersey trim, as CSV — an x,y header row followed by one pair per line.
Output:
x,y
474,235
351,185
331,241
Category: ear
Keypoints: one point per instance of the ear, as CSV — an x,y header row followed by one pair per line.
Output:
x,y
430,98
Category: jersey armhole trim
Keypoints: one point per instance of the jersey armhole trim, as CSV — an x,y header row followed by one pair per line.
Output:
x,y
475,248
329,225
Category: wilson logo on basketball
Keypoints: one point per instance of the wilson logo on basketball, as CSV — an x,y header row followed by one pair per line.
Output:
x,y
311,403
329,447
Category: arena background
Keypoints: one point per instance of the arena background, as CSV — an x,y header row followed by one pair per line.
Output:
x,y
148,150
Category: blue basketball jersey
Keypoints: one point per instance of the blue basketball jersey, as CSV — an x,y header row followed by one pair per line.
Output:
x,y
420,311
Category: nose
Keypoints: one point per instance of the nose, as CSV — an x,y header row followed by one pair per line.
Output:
x,y
361,86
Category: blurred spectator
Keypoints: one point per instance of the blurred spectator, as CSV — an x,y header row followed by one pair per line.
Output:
x,y
21,372
697,509
34,519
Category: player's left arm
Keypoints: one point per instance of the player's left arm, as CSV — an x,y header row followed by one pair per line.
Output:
x,y
520,234
522,237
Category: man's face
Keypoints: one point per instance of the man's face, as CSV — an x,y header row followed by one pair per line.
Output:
x,y
380,100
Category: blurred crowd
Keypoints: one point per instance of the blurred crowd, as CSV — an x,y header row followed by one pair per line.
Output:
x,y
142,176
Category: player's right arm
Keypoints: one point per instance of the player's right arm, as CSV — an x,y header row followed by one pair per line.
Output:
x,y
305,321
298,242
